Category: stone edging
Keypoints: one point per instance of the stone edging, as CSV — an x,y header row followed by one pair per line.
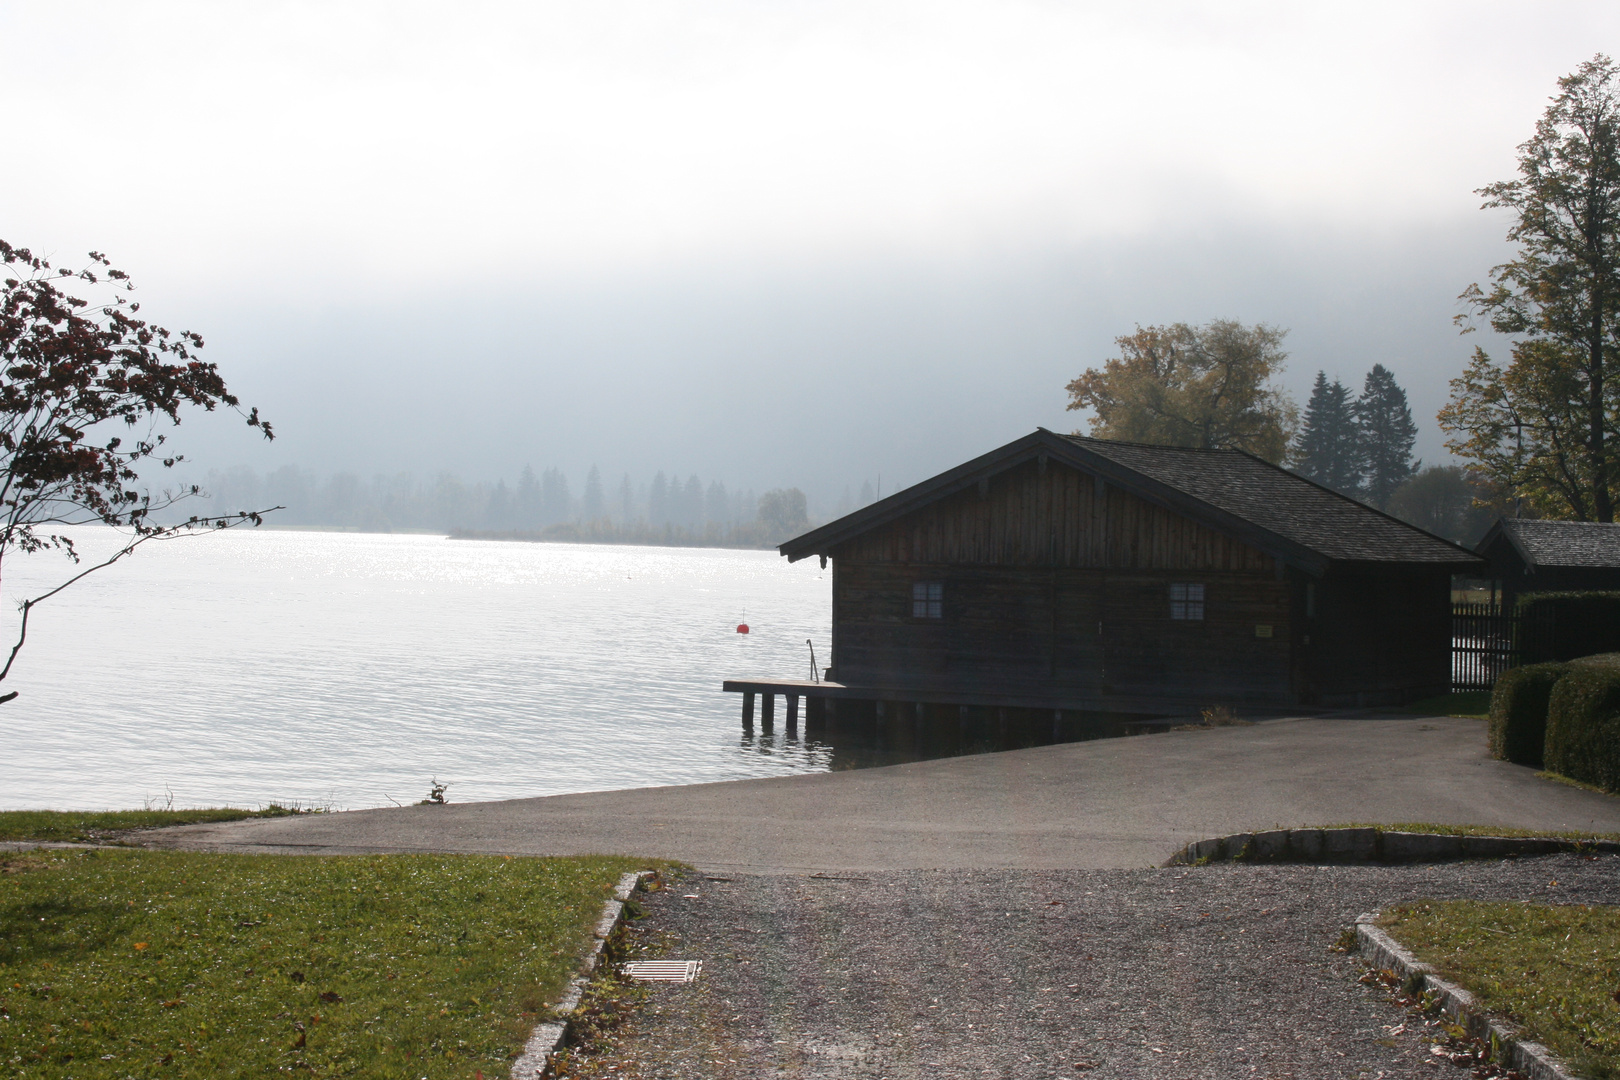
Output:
x,y
1530,1058
1373,845
548,1037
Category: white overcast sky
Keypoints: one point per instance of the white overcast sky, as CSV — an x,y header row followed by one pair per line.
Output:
x,y
765,242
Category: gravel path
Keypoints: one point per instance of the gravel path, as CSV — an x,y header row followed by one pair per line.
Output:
x,y
1216,971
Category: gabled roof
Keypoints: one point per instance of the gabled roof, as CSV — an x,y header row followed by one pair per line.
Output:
x,y
1279,512
1559,543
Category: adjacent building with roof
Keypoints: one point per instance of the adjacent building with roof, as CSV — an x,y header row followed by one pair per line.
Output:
x,y
1072,573
1552,556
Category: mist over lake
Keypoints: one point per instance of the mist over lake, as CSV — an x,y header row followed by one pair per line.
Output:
x,y
350,669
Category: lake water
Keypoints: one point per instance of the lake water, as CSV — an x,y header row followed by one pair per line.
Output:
x,y
349,670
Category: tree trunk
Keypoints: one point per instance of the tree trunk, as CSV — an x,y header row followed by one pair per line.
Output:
x,y
1602,504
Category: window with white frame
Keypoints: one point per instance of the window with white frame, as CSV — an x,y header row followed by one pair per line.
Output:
x,y
1187,601
927,600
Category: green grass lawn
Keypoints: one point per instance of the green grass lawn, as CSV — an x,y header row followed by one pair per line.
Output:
x,y
118,963
1469,704
91,826
1553,970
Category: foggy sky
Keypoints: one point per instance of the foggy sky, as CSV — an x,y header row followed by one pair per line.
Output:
x,y
791,243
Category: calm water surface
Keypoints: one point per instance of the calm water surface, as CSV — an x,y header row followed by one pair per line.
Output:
x,y
348,670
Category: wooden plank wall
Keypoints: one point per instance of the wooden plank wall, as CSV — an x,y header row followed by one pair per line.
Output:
x,y
1053,516
1380,636
1059,630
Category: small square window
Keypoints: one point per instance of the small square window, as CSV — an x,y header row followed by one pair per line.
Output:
x,y
1187,602
927,600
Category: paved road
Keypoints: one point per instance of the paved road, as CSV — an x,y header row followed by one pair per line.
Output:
x,y
1125,802
1204,972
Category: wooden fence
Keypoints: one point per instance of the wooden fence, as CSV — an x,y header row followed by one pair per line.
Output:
x,y
1485,641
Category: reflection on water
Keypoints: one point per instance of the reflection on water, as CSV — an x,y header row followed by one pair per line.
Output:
x,y
855,735
350,670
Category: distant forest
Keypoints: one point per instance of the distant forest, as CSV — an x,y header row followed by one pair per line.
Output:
x,y
537,506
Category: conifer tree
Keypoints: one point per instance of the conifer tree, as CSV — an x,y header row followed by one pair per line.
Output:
x,y
1386,435
691,499
554,500
716,504
658,500
498,511
526,504
1329,448
592,505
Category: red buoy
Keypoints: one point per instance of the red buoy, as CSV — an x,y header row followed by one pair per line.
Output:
x,y
742,628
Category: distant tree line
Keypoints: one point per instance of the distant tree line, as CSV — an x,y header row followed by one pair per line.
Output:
x,y
665,510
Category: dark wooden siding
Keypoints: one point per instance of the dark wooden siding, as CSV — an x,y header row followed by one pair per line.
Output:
x,y
1381,635
1053,517
1058,586
1062,632
1220,659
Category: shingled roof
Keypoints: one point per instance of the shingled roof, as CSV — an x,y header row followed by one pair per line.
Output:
x,y
1280,502
1560,543
1280,512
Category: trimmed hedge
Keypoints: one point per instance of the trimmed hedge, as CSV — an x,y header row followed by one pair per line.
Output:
x,y
1518,718
1583,723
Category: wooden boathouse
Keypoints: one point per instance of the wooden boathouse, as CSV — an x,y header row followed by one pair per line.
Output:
x,y
1088,576
1551,556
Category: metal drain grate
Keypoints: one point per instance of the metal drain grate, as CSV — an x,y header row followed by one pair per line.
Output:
x,y
664,970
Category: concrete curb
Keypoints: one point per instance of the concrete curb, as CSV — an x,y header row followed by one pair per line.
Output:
x,y
547,1038
1530,1058
1373,845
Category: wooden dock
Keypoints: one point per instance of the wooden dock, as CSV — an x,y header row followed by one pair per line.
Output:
x,y
824,701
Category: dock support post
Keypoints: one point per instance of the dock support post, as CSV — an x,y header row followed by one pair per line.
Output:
x,y
1057,725
961,719
793,715
748,711
767,714
1001,724
815,714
